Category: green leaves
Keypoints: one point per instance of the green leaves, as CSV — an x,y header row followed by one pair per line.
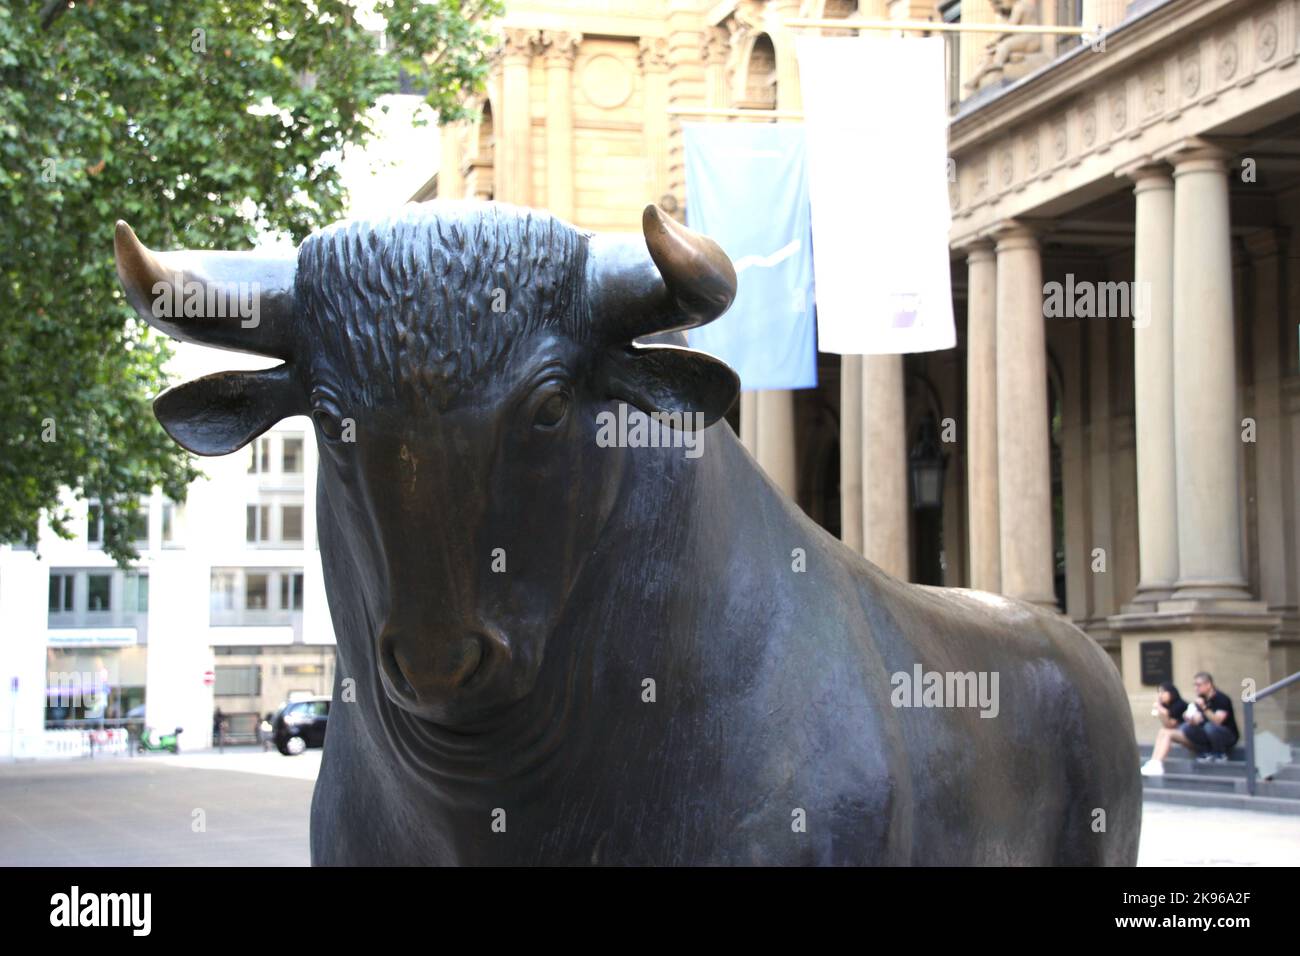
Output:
x,y
198,123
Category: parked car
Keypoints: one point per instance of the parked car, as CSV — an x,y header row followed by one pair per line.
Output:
x,y
300,724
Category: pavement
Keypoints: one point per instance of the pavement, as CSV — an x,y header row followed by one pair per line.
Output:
x,y
247,807
158,810
1173,835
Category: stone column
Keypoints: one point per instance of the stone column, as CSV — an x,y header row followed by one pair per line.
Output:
x,y
451,147
749,422
1153,380
561,49
514,159
653,58
1275,460
1206,425
885,506
1024,468
851,451
982,417
713,51
776,441
775,419
686,87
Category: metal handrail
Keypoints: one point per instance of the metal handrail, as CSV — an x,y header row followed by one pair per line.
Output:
x,y
1248,714
133,726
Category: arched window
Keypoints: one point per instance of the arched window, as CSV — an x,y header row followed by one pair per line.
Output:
x,y
480,179
760,75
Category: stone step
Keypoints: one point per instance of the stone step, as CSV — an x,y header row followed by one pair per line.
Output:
x,y
1282,789
1288,789
1236,755
1187,781
1230,768
1222,801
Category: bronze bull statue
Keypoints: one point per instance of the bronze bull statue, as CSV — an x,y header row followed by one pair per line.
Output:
x,y
573,650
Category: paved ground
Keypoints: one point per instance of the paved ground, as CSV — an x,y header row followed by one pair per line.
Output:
x,y
1203,836
141,810
133,811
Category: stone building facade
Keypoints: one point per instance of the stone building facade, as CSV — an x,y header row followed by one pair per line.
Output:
x,y
1122,411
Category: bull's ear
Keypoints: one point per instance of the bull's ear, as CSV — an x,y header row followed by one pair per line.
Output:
x,y
668,379
221,413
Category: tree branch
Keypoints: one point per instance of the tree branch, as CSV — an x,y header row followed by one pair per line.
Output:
x,y
52,10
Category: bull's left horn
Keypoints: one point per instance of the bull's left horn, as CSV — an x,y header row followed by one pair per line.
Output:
x,y
232,300
684,282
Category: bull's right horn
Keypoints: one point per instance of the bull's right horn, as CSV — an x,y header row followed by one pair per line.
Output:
x,y
669,278
232,300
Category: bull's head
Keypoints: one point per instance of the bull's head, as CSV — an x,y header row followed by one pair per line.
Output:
x,y
454,360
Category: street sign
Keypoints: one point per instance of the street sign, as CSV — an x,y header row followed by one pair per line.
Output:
x,y
13,684
209,678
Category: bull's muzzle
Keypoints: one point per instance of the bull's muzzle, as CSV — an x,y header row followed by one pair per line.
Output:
x,y
428,673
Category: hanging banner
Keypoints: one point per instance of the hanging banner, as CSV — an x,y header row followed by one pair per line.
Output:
x,y
876,122
747,189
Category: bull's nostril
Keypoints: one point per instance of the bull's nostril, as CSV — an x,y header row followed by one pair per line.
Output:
x,y
470,658
397,674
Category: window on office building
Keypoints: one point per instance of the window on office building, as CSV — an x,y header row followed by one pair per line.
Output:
x,y
138,527
61,587
258,524
255,591
99,592
237,680
291,524
135,593
225,590
244,597
260,456
291,455
291,592
169,521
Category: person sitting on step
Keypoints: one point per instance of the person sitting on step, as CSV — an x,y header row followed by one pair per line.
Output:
x,y
1209,728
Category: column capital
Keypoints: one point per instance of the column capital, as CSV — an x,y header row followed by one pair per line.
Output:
x,y
978,249
1014,234
560,48
652,54
715,46
1196,154
1147,173
518,44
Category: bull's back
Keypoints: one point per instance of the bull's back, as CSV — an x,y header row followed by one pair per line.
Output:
x,y
1042,766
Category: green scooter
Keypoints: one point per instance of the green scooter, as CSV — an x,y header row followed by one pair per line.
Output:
x,y
164,741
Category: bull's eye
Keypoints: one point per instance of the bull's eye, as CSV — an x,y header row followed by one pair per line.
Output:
x,y
551,410
328,424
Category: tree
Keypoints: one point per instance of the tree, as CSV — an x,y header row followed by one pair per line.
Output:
x,y
203,124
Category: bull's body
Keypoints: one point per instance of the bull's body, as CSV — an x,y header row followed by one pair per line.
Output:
x,y
553,650
772,694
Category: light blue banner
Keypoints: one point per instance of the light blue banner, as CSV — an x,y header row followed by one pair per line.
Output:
x,y
747,188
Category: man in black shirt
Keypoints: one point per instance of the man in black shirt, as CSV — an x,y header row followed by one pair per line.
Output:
x,y
1209,728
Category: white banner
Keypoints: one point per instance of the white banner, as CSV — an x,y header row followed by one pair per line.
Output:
x,y
876,125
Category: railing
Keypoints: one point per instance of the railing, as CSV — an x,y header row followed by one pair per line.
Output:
x,y
1248,712
89,735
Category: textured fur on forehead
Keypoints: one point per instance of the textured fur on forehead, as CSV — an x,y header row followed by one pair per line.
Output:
x,y
402,308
